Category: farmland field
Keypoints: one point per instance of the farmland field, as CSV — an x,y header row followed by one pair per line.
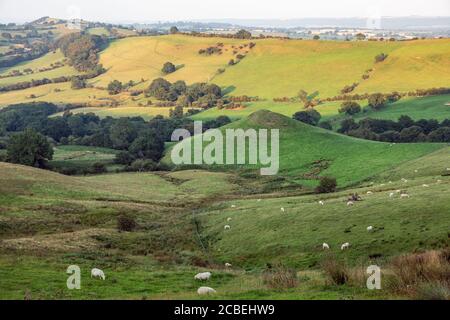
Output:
x,y
88,178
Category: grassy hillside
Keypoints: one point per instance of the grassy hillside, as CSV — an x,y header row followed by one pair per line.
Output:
x,y
306,150
143,57
433,107
260,233
273,68
79,157
53,221
36,64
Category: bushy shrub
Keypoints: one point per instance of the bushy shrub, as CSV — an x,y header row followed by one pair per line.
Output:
x,y
310,116
350,107
126,223
377,101
168,67
326,185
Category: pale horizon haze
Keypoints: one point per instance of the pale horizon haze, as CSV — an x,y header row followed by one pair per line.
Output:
x,y
116,11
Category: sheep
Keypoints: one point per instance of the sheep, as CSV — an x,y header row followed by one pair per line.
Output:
x,y
350,203
227,227
228,265
321,202
205,290
97,273
398,191
382,185
259,200
416,171
404,180
202,276
282,210
369,192
439,181
404,195
233,206
325,246
391,195
229,219
425,185
370,228
345,246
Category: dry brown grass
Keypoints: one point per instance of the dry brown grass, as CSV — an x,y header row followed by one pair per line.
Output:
x,y
337,272
422,275
280,277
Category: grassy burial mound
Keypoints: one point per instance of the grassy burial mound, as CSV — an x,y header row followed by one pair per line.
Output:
x,y
306,152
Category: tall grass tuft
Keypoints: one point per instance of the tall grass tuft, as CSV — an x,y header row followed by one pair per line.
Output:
x,y
422,275
280,277
336,271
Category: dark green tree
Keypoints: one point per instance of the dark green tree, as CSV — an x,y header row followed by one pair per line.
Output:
x,y
29,148
377,101
168,67
310,116
115,87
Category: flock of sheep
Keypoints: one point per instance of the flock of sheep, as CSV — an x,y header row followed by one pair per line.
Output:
x,y
204,276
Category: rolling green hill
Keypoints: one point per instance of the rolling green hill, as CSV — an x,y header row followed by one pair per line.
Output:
x,y
433,107
273,68
307,150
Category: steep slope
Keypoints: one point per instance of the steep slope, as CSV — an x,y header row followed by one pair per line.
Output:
x,y
306,152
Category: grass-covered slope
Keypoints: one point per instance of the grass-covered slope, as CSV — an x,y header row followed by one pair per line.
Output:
x,y
433,107
261,233
306,150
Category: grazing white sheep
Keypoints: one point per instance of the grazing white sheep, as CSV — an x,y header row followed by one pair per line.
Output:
x,y
97,273
416,171
282,210
369,192
233,206
202,276
398,191
321,202
350,203
370,228
404,195
325,246
404,180
259,200
390,182
425,185
205,290
391,195
382,185
229,219
439,181
448,169
345,246
228,265
227,227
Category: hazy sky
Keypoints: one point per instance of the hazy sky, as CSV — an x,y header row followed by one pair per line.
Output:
x,y
163,10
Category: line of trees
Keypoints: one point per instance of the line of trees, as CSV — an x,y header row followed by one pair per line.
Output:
x,y
136,138
403,130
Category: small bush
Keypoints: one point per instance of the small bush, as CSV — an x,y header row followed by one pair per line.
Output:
x,y
280,277
168,68
327,185
126,223
336,271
